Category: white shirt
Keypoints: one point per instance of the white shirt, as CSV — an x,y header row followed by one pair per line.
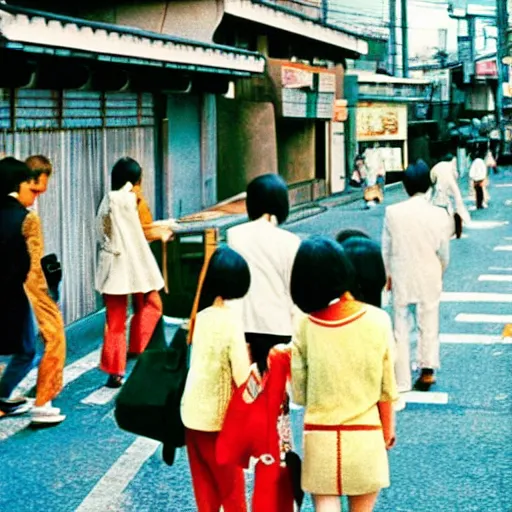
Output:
x,y
270,252
126,264
415,249
478,170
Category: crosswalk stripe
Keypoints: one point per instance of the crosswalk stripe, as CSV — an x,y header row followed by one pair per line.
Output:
x,y
12,425
503,185
501,269
71,372
476,296
432,397
101,396
483,318
480,339
503,248
495,277
107,492
486,224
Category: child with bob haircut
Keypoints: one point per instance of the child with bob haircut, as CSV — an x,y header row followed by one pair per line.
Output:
x,y
219,361
342,372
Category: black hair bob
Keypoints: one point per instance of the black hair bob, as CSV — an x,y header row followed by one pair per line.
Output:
x,y
227,276
417,178
13,173
268,194
125,170
349,233
321,273
370,275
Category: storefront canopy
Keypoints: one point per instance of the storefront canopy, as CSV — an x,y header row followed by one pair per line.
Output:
x,y
46,33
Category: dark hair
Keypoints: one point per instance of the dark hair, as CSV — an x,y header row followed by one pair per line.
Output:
x,y
370,275
447,158
349,233
268,194
125,170
321,273
12,174
417,178
227,276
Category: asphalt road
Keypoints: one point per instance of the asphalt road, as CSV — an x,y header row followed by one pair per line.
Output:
x,y
452,455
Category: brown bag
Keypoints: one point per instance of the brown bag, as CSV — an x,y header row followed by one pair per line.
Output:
x,y
373,193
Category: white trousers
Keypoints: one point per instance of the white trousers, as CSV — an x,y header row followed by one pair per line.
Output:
x,y
426,318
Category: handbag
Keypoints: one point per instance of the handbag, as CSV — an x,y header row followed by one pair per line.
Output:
x,y
52,271
149,401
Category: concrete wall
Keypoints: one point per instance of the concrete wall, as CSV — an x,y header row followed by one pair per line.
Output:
x,y
296,149
246,144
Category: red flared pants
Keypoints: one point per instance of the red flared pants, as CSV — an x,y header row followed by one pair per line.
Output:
x,y
147,310
215,485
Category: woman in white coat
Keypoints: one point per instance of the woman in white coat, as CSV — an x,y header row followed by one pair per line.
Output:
x,y
126,267
270,252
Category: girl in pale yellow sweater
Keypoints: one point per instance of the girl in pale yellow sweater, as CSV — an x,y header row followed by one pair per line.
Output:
x,y
219,362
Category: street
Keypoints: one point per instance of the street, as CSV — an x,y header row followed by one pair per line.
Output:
x,y
454,444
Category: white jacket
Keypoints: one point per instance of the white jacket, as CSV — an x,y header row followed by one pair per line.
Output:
x,y
415,248
445,189
126,264
270,252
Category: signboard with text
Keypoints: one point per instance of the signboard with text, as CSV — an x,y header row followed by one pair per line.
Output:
x,y
381,121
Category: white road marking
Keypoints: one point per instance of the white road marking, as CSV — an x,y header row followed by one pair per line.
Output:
x,y
486,224
503,185
477,339
495,277
508,238
107,492
501,269
503,248
476,296
483,318
101,396
71,372
430,397
12,425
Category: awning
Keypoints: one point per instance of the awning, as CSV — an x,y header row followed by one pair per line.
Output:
x,y
47,33
266,13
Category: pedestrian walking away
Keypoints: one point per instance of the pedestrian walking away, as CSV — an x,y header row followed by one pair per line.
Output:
x,y
219,360
415,248
349,417
126,267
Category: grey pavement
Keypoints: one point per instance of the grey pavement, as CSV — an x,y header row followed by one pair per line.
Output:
x,y
450,457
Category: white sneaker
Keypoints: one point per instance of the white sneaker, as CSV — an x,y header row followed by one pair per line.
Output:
x,y
47,414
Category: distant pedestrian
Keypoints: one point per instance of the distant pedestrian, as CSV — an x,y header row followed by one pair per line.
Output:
x,y
359,174
478,173
269,250
219,360
445,192
342,372
126,267
415,247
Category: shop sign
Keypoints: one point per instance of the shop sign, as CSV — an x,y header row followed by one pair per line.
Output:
x,y
381,121
296,78
340,111
487,69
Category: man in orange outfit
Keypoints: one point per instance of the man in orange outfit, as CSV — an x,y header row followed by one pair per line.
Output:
x,y
48,316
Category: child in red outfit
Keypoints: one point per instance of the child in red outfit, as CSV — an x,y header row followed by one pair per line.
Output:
x,y
250,429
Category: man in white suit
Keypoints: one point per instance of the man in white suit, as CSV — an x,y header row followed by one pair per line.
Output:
x,y
415,246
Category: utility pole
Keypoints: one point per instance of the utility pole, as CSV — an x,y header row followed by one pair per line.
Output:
x,y
502,22
392,37
405,39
